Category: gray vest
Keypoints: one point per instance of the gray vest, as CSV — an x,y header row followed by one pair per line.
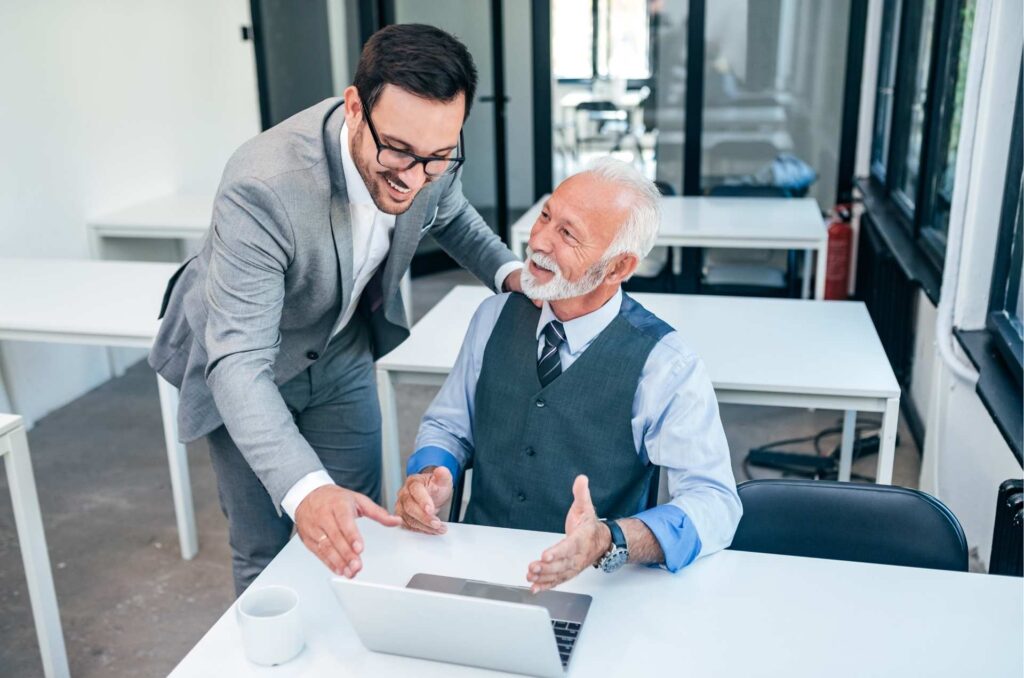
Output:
x,y
532,442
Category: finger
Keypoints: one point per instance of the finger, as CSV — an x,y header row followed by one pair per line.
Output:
x,y
548,584
344,536
323,550
441,480
581,492
371,510
413,510
421,496
554,567
563,549
413,519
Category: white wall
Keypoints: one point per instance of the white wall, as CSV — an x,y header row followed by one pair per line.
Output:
x,y
106,103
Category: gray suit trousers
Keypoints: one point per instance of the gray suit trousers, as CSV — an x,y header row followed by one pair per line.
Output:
x,y
334,404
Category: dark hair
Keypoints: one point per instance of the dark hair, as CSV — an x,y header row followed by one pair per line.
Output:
x,y
421,59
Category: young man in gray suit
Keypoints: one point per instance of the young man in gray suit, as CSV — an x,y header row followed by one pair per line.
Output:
x,y
270,333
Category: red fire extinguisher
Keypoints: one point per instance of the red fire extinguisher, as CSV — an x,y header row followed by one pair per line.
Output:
x,y
837,265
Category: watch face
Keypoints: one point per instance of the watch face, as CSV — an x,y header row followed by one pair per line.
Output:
x,y
614,560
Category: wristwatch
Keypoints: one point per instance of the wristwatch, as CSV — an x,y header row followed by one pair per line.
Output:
x,y
618,552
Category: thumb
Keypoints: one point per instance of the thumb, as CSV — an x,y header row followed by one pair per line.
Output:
x,y
368,508
581,493
441,477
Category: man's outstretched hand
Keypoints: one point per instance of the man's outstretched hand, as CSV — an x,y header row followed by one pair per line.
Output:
x,y
421,497
326,522
586,539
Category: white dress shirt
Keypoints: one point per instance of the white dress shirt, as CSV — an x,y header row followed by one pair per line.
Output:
x,y
371,242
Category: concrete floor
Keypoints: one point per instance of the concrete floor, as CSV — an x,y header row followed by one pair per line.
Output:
x,y
129,605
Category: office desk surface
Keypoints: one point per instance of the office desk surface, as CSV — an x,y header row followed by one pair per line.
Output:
x,y
79,301
183,215
749,344
794,223
8,422
731,614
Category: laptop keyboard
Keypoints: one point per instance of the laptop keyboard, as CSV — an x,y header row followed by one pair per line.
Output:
x,y
565,634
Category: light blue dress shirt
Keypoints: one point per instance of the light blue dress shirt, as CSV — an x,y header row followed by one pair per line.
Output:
x,y
675,425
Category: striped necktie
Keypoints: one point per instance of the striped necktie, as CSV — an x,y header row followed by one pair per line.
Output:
x,y
549,366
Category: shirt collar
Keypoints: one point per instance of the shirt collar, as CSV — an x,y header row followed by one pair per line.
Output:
x,y
579,332
357,191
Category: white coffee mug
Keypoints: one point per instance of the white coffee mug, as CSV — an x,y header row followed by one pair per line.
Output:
x,y
270,624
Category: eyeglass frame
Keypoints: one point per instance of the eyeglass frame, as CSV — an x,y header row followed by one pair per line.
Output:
x,y
417,159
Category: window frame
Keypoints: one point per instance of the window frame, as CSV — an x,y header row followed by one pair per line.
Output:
x,y
1006,266
914,214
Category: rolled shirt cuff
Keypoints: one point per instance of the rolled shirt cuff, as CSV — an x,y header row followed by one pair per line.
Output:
x,y
431,455
503,272
675,532
301,489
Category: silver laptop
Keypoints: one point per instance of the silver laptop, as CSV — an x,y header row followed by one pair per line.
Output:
x,y
462,621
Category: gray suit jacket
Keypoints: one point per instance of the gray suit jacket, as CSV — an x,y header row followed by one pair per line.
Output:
x,y
261,299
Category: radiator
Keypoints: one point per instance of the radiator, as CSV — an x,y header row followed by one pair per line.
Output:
x,y
1008,533
889,297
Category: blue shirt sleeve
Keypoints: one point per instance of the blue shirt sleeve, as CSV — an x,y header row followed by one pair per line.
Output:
x,y
675,533
432,455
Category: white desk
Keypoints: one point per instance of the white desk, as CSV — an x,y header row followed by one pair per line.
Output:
x,y
181,216
746,223
780,352
104,303
730,614
32,540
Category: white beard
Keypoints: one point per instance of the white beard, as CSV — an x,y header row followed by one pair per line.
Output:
x,y
558,287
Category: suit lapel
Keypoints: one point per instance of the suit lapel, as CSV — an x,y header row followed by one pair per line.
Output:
x,y
403,245
341,218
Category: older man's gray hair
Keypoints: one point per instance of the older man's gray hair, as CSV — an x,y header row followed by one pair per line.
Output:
x,y
637,235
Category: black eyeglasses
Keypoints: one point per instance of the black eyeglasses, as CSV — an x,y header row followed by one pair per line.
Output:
x,y
400,161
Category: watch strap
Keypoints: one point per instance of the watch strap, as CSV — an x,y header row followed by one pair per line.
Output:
x,y
618,538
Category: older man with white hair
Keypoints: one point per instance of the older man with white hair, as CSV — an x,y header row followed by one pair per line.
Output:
x,y
565,411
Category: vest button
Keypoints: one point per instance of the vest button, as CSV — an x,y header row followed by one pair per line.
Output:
x,y
521,497
540,403
312,355
530,452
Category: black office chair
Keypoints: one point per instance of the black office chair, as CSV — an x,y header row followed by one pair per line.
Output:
x,y
455,510
849,521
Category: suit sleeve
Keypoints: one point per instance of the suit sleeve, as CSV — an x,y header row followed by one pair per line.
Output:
x,y
252,248
466,237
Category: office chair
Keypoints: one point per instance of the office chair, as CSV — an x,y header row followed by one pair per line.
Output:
x,y
455,510
849,521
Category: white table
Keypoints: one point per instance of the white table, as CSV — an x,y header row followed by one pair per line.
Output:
x,y
178,216
103,303
745,223
32,541
778,352
729,614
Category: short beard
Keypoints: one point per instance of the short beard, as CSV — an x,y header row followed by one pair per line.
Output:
x,y
377,194
558,287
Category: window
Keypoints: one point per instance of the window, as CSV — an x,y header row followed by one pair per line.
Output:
x,y
922,75
913,100
938,192
572,39
773,86
1007,296
885,87
600,39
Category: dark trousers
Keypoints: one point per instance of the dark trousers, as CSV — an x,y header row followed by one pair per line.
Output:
x,y
334,404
